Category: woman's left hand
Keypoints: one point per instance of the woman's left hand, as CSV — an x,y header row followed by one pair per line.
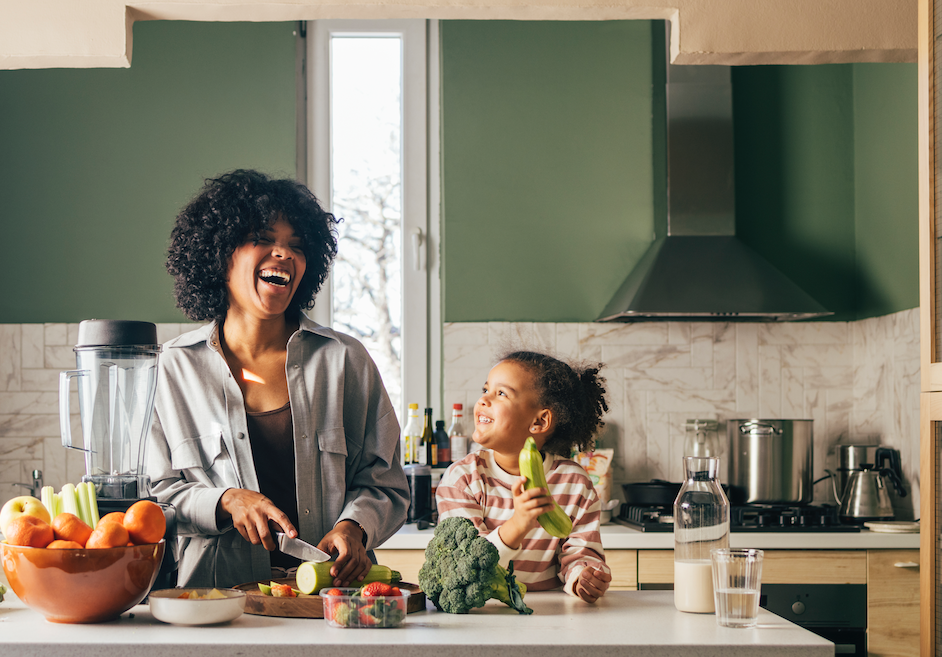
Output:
x,y
346,540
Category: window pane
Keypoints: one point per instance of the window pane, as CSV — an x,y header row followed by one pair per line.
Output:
x,y
366,191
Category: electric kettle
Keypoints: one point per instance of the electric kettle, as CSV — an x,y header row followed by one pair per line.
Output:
x,y
866,496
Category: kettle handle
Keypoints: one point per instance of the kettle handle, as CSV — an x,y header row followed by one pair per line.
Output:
x,y
884,454
895,480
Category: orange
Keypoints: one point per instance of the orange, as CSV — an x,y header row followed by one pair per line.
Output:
x,y
115,516
107,535
69,527
64,545
145,522
29,531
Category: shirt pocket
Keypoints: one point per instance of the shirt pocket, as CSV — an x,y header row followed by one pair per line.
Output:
x,y
332,441
204,459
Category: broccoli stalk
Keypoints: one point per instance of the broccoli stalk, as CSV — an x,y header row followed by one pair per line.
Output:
x,y
461,571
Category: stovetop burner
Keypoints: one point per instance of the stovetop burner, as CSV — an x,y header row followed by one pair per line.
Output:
x,y
751,518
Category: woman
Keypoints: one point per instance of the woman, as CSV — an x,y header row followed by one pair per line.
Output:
x,y
265,421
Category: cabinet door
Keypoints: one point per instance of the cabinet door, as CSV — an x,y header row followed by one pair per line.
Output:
x,y
624,565
893,603
407,562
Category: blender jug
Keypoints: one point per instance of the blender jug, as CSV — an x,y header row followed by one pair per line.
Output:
x,y
117,381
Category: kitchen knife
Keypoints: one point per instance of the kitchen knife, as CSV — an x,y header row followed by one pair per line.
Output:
x,y
300,549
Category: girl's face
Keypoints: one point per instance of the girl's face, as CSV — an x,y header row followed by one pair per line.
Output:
x,y
507,411
264,275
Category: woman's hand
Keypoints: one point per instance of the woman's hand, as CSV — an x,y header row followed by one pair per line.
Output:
x,y
592,583
346,540
251,514
528,506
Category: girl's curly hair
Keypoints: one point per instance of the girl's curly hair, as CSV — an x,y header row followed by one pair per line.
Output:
x,y
575,395
226,212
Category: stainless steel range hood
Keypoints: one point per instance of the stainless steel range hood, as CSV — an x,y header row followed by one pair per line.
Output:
x,y
697,269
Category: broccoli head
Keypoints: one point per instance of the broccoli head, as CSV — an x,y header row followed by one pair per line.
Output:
x,y
461,571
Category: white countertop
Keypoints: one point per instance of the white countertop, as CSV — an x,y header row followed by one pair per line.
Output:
x,y
620,537
622,623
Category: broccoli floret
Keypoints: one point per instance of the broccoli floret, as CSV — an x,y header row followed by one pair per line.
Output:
x,y
461,571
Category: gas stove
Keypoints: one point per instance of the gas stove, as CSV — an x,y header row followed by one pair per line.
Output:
x,y
750,518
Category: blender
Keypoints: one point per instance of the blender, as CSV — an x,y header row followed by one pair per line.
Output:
x,y
117,381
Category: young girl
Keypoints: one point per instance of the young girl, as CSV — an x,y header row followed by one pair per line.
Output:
x,y
531,394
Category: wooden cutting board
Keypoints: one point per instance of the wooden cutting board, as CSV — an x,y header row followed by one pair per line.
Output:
x,y
306,606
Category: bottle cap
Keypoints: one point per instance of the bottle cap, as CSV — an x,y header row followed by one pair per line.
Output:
x,y
439,424
457,407
428,411
415,406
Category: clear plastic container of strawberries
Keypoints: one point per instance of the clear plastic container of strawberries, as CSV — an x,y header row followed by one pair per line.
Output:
x,y
373,605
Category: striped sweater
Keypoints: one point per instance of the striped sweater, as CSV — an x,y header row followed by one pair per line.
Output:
x,y
477,488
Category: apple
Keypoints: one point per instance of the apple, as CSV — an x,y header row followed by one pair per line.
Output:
x,y
22,505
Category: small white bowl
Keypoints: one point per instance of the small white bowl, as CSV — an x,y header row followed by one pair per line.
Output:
x,y
166,605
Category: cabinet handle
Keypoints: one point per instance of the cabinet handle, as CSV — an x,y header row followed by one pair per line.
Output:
x,y
906,564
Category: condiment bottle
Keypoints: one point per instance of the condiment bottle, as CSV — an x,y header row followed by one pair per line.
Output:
x,y
411,434
442,444
457,436
701,523
428,454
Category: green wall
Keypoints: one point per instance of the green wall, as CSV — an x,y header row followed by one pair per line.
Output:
x,y
552,165
549,199
96,163
547,166
886,196
794,155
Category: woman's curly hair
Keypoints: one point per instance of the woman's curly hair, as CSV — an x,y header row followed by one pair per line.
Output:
x,y
575,395
228,211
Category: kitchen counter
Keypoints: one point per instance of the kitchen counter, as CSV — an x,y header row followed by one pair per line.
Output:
x,y
622,623
620,537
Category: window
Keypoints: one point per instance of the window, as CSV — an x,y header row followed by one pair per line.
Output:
x,y
373,160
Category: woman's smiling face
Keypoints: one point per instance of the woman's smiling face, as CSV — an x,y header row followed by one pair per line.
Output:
x,y
505,413
264,274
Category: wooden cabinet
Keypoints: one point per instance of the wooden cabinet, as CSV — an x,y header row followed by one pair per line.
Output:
x,y
893,603
778,567
407,562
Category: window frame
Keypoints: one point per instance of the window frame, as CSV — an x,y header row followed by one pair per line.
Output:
x,y
421,195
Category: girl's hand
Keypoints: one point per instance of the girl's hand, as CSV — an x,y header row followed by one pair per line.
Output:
x,y
346,541
528,506
592,583
251,514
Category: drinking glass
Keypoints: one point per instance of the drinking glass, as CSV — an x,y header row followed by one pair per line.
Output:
x,y
737,579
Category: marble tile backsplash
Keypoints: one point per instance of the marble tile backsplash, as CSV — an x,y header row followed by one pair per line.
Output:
x,y
858,381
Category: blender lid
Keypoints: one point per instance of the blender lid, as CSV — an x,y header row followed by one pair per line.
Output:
x,y
116,333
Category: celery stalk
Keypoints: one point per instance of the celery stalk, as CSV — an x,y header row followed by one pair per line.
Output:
x,y
93,504
81,491
69,500
45,495
57,503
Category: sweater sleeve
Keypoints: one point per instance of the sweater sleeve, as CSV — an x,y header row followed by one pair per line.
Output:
x,y
461,492
583,547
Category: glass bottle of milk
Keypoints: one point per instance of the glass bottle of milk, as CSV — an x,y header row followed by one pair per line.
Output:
x,y
701,523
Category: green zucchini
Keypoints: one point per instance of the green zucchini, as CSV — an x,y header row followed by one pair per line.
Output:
x,y
556,522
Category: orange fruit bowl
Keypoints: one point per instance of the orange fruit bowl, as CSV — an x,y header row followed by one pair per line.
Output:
x,y
84,585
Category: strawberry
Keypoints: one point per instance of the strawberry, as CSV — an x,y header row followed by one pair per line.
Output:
x,y
374,589
283,591
334,592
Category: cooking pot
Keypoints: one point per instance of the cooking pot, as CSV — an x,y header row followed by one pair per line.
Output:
x,y
770,461
655,492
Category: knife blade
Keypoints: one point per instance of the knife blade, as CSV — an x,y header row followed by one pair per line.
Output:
x,y
300,549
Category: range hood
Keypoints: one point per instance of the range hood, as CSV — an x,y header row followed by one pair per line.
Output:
x,y
696,268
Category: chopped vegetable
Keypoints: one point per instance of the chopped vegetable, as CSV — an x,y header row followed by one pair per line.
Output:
x,y
461,570
312,577
3,590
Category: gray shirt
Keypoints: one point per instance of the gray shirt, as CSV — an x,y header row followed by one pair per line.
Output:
x,y
346,444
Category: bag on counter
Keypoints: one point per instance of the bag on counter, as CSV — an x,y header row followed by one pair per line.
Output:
x,y
599,466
